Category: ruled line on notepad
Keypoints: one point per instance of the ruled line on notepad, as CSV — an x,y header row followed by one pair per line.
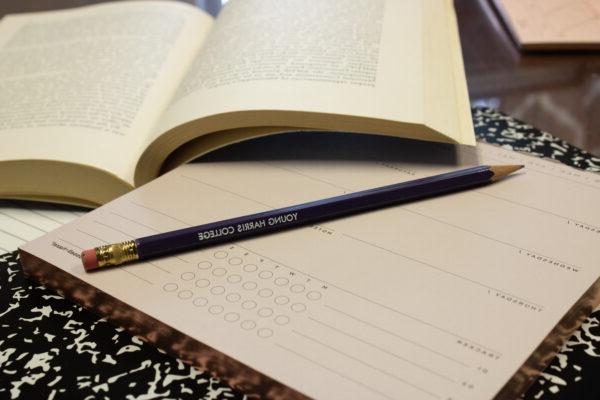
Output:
x,y
396,335
65,208
441,329
134,221
442,270
11,234
533,208
335,372
72,244
561,177
385,351
114,229
41,214
159,267
23,222
91,235
124,269
49,207
160,212
345,189
373,367
227,191
483,236
522,158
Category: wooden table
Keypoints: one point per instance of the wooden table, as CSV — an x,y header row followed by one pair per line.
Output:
x,y
557,92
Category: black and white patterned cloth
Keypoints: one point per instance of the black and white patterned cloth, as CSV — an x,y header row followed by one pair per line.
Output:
x,y
51,348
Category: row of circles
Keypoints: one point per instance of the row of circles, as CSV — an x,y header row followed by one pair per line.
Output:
x,y
234,297
250,285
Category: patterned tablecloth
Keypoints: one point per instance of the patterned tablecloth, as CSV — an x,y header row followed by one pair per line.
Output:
x,y
52,348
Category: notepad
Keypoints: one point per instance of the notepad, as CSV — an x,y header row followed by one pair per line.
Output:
x,y
22,221
445,298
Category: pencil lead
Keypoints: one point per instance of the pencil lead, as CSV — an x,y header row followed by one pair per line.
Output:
x,y
500,171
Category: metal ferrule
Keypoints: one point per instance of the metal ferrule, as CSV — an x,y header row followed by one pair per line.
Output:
x,y
117,253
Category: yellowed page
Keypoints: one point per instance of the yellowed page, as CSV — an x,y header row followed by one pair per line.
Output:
x,y
87,85
438,299
365,58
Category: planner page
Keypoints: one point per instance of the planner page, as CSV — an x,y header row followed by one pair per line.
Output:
x,y
443,298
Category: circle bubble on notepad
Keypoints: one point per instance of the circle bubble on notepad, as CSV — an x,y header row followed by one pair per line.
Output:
x,y
248,324
235,261
233,297
216,309
231,317
204,265
250,268
217,290
200,301
265,274
202,283
220,254
265,333
281,281
170,287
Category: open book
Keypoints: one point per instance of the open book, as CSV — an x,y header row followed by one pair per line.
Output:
x,y
97,100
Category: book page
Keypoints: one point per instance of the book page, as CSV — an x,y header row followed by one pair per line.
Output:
x,y
373,59
443,298
87,85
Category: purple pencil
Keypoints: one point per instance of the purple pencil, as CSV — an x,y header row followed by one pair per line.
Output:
x,y
284,218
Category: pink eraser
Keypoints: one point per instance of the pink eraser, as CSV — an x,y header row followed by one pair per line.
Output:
x,y
89,260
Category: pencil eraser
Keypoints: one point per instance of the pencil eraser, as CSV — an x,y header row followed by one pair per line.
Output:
x,y
89,260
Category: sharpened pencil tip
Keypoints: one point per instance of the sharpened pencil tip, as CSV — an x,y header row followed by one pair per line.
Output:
x,y
500,171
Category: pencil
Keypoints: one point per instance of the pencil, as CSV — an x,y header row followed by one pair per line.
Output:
x,y
284,218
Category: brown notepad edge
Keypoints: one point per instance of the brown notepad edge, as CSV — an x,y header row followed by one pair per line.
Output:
x,y
243,377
